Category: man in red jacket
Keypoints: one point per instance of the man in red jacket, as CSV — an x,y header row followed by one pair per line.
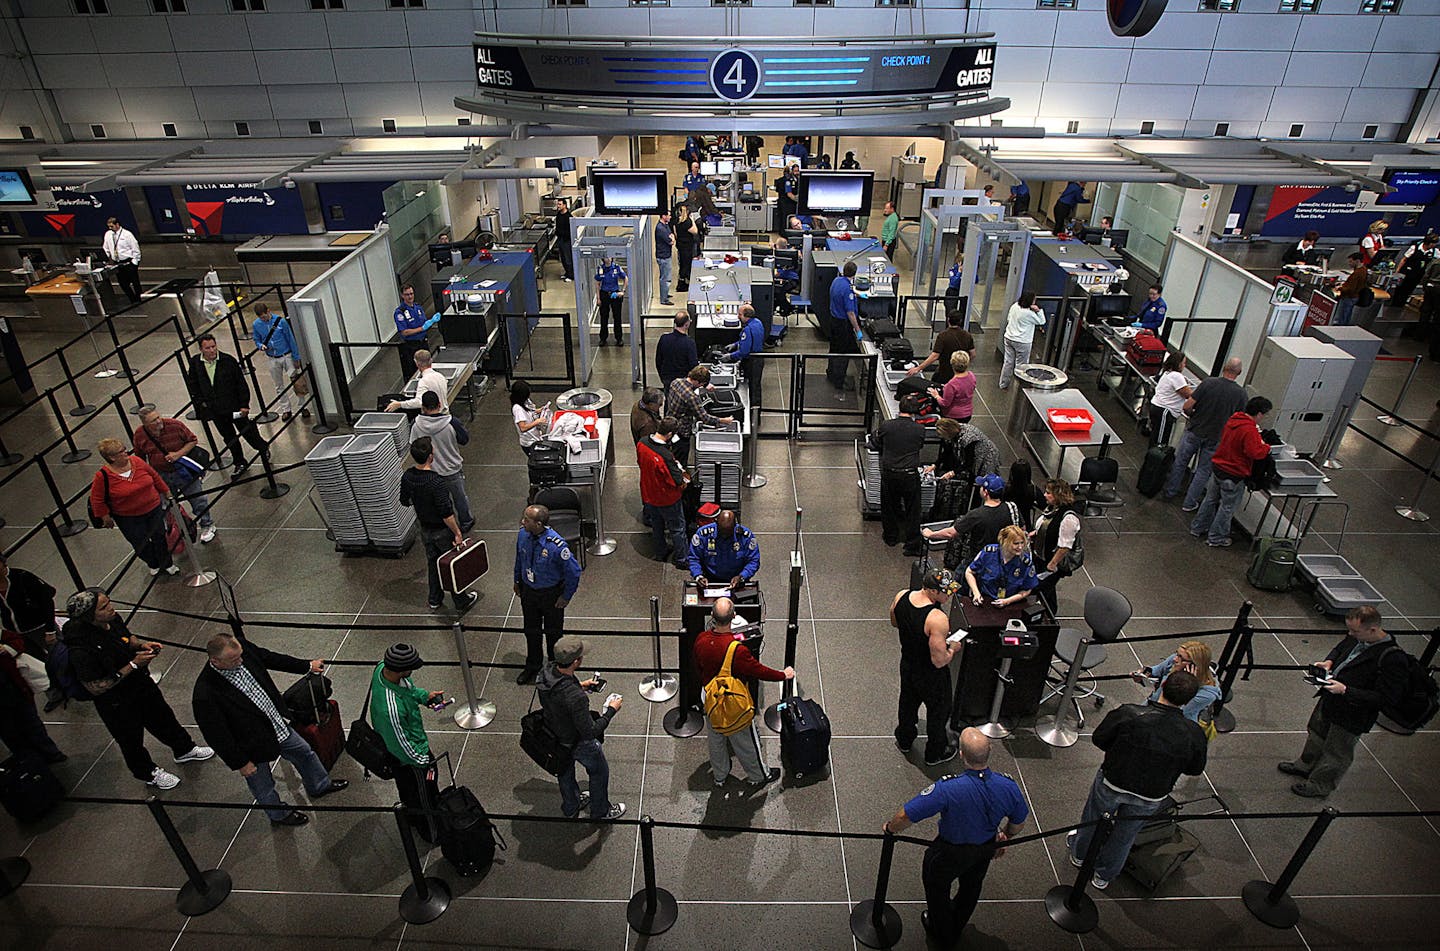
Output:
x,y
711,646
662,483
1241,446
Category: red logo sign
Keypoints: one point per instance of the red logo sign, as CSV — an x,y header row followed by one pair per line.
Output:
x,y
64,225
205,217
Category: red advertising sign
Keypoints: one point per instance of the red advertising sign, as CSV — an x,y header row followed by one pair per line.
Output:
x,y
1320,309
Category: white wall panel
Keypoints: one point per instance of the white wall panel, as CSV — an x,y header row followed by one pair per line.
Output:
x,y
64,35
1338,32
142,69
227,103
1399,69
1206,127
259,128
1022,64
674,21
279,68
197,32
1246,69
89,105
438,99
443,64
117,34
235,69
1088,28
307,102
288,31
1226,103
1325,69
1079,99
1155,102
1307,104
1409,34
1168,66
69,72
1254,31
373,66
1024,99
1018,27
382,100
1378,105
354,29
440,27
1181,30
1089,65
159,105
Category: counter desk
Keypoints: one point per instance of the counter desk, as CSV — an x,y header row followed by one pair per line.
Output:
x,y
51,299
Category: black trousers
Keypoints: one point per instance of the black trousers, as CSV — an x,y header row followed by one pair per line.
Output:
x,y
1062,213
564,251
1021,205
418,789
146,534
541,618
686,258
230,430
21,729
754,374
127,274
409,346
842,340
142,707
900,508
611,309
961,868
921,682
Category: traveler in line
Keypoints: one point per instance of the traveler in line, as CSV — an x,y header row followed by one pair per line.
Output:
x,y
163,443
675,353
1168,403
1193,657
922,622
531,421
431,381
1214,401
222,397
127,494
662,485
563,698
274,338
1020,323
957,399
899,442
395,704
424,490
711,647
444,432
1241,446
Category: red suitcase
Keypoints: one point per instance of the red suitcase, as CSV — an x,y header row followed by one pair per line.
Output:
x,y
1146,351
460,568
327,737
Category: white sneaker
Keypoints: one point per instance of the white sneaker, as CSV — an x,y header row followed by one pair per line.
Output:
x,y
173,570
207,536
162,780
154,572
1099,883
198,754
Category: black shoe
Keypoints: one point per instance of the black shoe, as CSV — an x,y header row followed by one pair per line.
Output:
x,y
905,747
913,552
54,758
604,341
772,774
52,704
336,785
467,601
239,470
945,757
1293,769
526,676
293,819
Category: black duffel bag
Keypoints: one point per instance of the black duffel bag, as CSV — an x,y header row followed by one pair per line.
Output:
x,y
366,746
547,464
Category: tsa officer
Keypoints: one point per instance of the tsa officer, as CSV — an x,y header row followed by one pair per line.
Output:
x,y
787,189
1152,315
971,807
952,290
611,280
411,323
694,180
724,550
546,578
751,342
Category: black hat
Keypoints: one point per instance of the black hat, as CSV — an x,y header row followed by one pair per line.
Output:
x,y
402,658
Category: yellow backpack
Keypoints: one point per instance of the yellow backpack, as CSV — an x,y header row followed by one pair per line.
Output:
x,y
727,700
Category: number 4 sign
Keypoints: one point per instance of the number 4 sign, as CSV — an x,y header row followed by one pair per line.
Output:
x,y
735,75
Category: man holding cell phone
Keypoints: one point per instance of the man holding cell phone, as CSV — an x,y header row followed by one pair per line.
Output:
x,y
926,649
567,713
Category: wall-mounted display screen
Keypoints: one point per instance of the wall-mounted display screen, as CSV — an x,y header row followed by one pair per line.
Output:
x,y
835,193
566,164
16,188
1413,186
629,192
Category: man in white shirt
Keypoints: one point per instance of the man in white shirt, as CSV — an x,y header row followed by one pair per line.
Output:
x,y
431,381
122,248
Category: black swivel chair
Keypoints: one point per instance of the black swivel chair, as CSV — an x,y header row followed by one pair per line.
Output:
x,y
1096,489
1107,611
564,505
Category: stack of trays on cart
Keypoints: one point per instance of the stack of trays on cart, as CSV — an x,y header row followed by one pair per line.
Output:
x,y
397,424
717,457
1338,585
870,482
373,469
328,473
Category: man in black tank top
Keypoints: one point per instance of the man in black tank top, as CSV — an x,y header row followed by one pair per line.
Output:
x,y
925,654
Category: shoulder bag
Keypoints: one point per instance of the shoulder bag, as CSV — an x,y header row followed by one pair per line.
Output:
x,y
367,746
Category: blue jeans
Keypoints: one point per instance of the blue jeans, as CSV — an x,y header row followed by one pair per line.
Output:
x,y
591,755
1200,449
193,492
455,485
1344,311
1218,508
1130,813
664,265
667,524
298,753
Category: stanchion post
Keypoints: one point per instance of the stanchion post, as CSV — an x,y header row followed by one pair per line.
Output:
x,y
81,408
324,427
992,727
68,526
59,541
132,386
1223,719
425,898
205,891
273,489
658,686
683,720
652,910
198,576
1272,904
476,711
754,480
1393,418
1412,511
13,872
8,458
1068,905
792,636
873,922
76,454
1057,730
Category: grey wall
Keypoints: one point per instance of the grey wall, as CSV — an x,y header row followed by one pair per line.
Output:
x,y
1258,69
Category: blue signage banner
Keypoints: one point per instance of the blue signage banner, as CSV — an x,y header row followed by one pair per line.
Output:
x,y
352,206
79,214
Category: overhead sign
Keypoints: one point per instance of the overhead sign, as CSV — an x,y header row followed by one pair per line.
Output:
x,y
736,75
79,214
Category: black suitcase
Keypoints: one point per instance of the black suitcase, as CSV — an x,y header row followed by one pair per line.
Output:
x,y
547,465
1153,471
897,348
468,838
883,329
28,790
804,736
918,387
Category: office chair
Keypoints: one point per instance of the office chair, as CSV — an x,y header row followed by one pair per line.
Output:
x,y
564,505
1106,613
1096,489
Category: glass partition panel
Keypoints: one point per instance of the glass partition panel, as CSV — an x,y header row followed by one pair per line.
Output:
x,y
1149,211
413,210
1220,296
1181,279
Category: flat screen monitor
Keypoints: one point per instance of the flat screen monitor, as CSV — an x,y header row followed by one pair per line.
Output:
x,y
778,161
1118,237
786,259
834,193
629,192
724,166
708,168
1106,306
761,255
1413,186
441,254
16,189
566,164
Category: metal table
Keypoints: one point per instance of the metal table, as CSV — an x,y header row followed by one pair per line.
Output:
x,y
457,366
1115,360
1039,401
1295,508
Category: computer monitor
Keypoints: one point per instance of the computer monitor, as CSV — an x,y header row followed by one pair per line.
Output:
x,y
629,192
1109,306
16,188
566,164
724,166
778,161
441,254
707,168
1118,237
786,259
834,193
761,255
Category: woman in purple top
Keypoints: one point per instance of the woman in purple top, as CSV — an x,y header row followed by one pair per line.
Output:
x,y
957,399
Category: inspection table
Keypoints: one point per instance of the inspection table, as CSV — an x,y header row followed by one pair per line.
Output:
x,y
1035,425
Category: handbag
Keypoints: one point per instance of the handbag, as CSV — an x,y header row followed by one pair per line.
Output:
x,y
540,742
462,435
95,520
366,746
302,384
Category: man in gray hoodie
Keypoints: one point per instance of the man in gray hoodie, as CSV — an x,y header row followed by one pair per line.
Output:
x,y
436,423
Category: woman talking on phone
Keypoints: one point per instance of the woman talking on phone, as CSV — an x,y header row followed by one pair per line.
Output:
x,y
1192,657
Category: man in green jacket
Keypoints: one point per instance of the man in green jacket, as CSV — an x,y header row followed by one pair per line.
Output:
x,y
890,230
395,704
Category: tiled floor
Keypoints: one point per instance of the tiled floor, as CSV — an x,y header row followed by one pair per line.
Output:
x,y
102,874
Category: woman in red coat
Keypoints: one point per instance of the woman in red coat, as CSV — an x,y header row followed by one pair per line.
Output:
x,y
127,494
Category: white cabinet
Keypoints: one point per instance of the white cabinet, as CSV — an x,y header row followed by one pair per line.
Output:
x,y
1305,379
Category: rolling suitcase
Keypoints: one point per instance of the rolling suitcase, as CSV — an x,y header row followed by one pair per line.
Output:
x,y
460,568
468,838
1272,568
804,736
326,735
1162,845
1158,460
28,790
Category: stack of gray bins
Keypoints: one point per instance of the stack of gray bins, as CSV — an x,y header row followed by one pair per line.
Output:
x,y
1338,585
373,469
868,461
397,424
717,457
331,484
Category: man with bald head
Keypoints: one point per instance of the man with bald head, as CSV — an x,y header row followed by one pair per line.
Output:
x,y
724,551
1207,410
971,807
547,575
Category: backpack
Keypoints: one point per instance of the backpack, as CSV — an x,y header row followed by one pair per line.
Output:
x,y
1421,699
1366,297
728,706
59,664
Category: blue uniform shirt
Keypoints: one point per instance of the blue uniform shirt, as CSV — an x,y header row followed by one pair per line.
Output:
x,y
971,805
281,341
800,152
752,340
954,277
409,317
722,559
1152,315
693,181
1019,191
609,277
1003,579
842,299
788,189
544,561
1073,195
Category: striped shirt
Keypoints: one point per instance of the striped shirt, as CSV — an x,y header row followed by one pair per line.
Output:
x,y
244,681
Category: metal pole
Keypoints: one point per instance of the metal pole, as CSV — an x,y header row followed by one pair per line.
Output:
x,y
658,686
81,407
1412,511
993,728
652,910
1224,720
1392,418
324,427
64,550
69,526
424,899
273,490
198,576
76,454
874,923
477,711
1057,730
104,373
755,480
8,458
1271,903
1332,439
683,721
205,891
602,545
792,634
1068,905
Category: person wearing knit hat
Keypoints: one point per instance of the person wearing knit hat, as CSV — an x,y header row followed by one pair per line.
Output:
x,y
395,705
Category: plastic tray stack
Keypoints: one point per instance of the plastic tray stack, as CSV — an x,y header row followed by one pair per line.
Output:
x,y
870,484
396,423
722,449
328,472
374,473
1338,585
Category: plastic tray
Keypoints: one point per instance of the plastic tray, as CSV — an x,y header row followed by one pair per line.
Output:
x,y
1341,594
1064,420
1297,472
1316,567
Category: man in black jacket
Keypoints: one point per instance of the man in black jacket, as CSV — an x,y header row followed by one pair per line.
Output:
x,y
1147,747
27,607
567,713
217,385
237,708
1364,675
899,442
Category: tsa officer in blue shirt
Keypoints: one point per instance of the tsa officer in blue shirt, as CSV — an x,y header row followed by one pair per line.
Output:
x,y
546,577
971,807
952,290
1152,315
1071,198
611,280
411,323
787,191
1019,199
751,342
694,180
844,325
724,551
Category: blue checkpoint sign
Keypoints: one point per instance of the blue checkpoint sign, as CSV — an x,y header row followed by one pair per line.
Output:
x,y
735,75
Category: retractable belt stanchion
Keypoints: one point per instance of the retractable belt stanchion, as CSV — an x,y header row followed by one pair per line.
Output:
x,y
792,628
104,373
1393,417
658,686
1412,511
13,872
425,898
198,576
652,910
76,454
205,891
1271,903
81,408
754,480
324,426
475,712
1057,730
8,458
684,720
68,526
1068,905
1237,647
874,923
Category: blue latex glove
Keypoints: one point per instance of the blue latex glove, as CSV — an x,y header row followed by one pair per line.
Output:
x,y
1137,325
616,295
432,322
859,335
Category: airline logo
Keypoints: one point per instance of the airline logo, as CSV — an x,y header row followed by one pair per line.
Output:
x,y
205,217
64,225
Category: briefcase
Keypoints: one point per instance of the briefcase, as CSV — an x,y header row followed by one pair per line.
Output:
x,y
460,568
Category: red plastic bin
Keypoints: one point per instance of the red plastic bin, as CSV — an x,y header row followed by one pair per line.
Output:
x,y
1064,420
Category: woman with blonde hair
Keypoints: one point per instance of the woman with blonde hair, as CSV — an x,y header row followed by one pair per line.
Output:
x,y
1003,572
957,399
1192,657
128,494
